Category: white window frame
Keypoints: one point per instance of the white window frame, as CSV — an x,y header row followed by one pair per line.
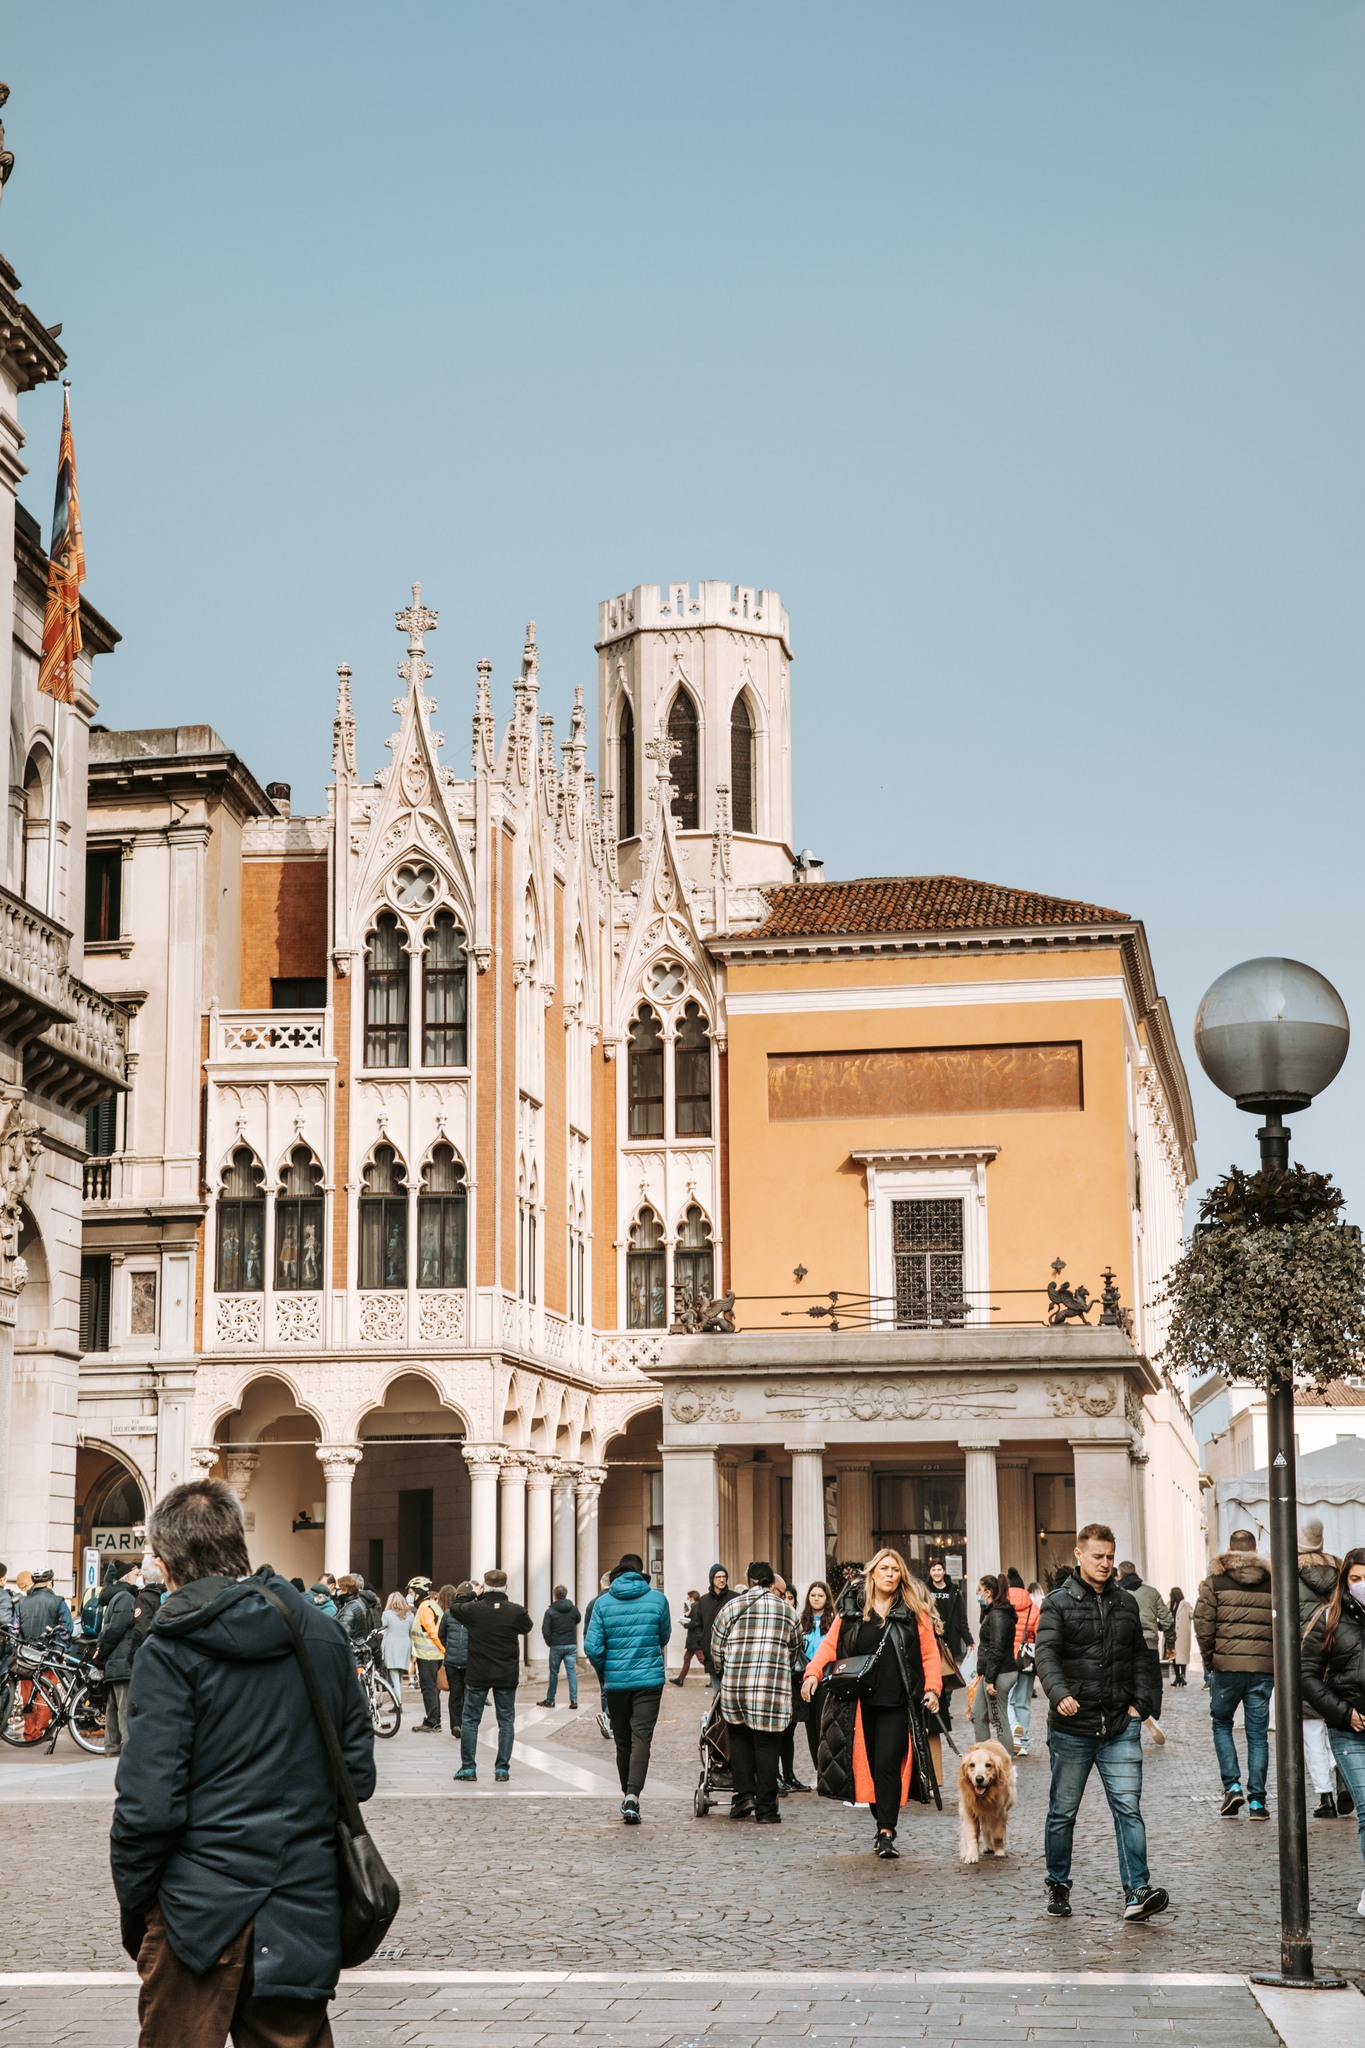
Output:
x,y
932,1172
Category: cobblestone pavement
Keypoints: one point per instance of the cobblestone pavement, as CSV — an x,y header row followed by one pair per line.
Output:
x,y
553,1882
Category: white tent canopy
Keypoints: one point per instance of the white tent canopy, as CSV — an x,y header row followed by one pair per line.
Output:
x,y
1331,1488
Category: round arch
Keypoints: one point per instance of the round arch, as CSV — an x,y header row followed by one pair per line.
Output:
x,y
113,1496
630,1510
410,1495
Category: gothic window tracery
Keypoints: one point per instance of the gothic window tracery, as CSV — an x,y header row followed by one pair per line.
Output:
x,y
241,1226
692,1075
646,1278
686,765
299,1224
384,1222
445,995
386,994
625,773
442,1213
527,1235
645,1076
742,766
693,1259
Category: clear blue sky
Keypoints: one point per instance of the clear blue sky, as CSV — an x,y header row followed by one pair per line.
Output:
x,y
1019,347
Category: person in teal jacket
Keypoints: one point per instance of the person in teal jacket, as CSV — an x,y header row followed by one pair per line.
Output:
x,y
627,1631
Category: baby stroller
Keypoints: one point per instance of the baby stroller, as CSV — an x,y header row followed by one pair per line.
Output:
x,y
716,1778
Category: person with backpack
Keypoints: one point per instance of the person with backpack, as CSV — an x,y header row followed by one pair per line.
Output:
x,y
1156,1617
1317,1582
1027,1606
113,1654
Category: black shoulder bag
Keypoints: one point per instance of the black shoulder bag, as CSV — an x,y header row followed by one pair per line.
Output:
x,y
852,1678
369,1893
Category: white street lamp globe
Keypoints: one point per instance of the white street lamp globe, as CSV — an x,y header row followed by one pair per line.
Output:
x,y
1272,1034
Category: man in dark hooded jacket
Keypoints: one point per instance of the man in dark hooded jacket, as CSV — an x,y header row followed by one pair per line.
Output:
x,y
223,1844
114,1653
703,1618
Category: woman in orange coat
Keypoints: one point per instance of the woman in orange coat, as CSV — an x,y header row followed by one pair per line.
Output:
x,y
896,1622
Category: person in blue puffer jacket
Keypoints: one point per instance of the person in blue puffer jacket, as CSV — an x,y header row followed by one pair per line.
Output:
x,y
627,1631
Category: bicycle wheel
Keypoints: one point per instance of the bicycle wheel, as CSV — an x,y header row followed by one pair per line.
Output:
x,y
25,1713
386,1708
85,1718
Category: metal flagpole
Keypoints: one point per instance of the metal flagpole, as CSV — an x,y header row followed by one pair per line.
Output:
x,y
52,782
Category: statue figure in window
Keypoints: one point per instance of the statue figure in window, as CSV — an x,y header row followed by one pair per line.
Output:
x,y
254,1275
310,1255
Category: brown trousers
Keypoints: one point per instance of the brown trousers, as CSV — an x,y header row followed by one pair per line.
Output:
x,y
176,2009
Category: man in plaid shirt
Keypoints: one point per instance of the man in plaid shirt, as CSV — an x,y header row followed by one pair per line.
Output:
x,y
754,1646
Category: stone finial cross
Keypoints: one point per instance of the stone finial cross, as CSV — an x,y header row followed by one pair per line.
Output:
x,y
415,620
661,750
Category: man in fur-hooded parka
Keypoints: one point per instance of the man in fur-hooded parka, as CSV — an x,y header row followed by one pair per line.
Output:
x,y
1232,1616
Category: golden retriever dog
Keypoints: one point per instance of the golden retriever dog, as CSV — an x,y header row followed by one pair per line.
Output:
x,y
985,1791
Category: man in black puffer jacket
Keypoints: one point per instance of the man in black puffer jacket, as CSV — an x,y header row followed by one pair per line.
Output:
x,y
1092,1664
114,1653
223,1844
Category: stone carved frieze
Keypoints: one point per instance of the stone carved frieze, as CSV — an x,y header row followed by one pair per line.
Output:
x,y
1095,1398
441,1318
239,1319
703,1404
874,1400
298,1318
21,1145
384,1318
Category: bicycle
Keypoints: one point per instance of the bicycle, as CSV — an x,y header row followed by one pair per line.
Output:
x,y
384,1702
47,1686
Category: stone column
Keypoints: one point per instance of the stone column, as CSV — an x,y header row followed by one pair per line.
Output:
x,y
513,1503
1103,1489
983,1515
765,1545
1018,1535
1137,1488
539,1480
727,1474
587,1489
484,1462
563,1570
691,1527
338,1463
808,1515
854,1542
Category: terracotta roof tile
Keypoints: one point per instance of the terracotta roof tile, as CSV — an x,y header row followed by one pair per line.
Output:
x,y
914,903
1338,1395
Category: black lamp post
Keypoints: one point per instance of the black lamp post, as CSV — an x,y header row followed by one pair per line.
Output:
x,y
1272,1034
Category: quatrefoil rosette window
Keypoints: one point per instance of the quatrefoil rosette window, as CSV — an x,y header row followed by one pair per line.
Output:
x,y
666,981
414,886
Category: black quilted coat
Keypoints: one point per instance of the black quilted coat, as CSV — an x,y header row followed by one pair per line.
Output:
x,y
839,1721
1334,1680
1091,1647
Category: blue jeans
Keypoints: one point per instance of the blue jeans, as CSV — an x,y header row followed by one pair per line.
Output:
x,y
567,1655
504,1706
1119,1763
1349,1750
1251,1691
1021,1704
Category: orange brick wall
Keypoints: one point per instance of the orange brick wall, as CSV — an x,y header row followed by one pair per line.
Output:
x,y
556,1137
604,1190
723,1142
284,924
507,1080
486,1082
202,1225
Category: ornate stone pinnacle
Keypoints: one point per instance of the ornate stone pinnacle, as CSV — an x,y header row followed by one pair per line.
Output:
x,y
415,620
661,750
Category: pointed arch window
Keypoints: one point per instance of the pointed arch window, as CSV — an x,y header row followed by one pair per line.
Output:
x,y
694,1260
646,1285
692,1075
298,1224
442,1214
445,995
384,1222
742,766
645,1077
685,768
241,1226
386,995
625,774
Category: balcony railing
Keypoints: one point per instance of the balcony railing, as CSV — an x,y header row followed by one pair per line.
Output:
x,y
269,1035
74,1040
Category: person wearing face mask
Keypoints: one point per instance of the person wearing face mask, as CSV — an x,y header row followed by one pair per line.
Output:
x,y
1334,1679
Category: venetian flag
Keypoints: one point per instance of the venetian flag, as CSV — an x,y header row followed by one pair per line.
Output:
x,y
65,575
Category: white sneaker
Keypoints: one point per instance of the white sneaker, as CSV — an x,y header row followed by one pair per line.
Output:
x,y
1158,1733
1361,1907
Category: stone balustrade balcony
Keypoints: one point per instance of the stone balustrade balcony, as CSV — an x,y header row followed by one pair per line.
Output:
x,y
261,1037
72,1041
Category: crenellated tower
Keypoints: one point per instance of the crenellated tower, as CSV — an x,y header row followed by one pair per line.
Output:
x,y
710,665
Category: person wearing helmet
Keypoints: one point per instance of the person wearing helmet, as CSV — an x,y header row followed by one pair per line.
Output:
x,y
428,1653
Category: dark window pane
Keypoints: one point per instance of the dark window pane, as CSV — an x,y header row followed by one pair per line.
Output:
x,y
645,1078
927,1245
298,1245
445,995
692,1075
383,1241
441,1241
95,1292
645,1304
741,767
684,768
625,776
298,992
103,893
386,996
100,1122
